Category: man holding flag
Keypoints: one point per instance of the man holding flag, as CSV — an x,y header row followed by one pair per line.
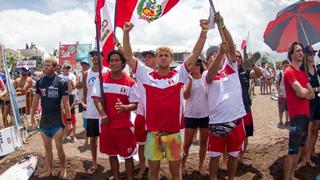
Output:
x,y
162,100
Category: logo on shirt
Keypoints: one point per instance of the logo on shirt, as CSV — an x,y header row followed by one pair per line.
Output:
x,y
43,91
92,79
170,81
53,92
224,73
123,90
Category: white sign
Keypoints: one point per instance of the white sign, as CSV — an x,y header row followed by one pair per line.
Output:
x,y
26,64
21,101
9,140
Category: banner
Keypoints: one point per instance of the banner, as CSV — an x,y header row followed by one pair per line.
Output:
x,y
68,52
26,64
83,52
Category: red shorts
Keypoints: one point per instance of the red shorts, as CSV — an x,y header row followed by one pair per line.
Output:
x,y
139,129
73,119
233,142
248,120
117,141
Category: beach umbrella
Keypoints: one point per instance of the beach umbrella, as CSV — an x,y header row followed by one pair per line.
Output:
x,y
297,22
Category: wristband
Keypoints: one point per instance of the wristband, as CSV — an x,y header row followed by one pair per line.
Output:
x,y
221,24
119,44
68,119
204,30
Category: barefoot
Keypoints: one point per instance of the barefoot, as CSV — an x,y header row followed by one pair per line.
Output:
x,y
311,164
46,174
63,173
202,172
300,165
183,170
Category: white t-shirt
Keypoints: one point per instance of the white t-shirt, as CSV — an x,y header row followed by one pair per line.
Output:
x,y
92,112
281,85
70,76
197,103
225,95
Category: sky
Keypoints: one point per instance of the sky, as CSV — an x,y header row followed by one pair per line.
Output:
x,y
48,22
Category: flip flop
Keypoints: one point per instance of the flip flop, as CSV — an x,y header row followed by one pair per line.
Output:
x,y
92,170
64,175
248,63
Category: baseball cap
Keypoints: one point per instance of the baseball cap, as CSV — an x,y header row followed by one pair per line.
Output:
x,y
66,65
145,53
95,52
211,50
84,61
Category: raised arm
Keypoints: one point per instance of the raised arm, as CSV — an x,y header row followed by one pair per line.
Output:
x,y
231,51
216,63
191,60
127,50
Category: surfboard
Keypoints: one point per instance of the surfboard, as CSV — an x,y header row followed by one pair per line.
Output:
x,y
22,170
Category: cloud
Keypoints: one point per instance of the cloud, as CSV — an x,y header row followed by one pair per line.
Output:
x,y
25,26
72,20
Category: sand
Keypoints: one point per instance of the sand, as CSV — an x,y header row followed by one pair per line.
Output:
x,y
266,151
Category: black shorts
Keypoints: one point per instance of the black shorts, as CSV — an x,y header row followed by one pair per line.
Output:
x,y
2,103
249,130
93,128
80,108
194,123
315,109
297,133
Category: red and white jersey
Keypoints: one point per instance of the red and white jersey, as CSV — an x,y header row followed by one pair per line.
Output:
x,y
225,95
124,89
162,97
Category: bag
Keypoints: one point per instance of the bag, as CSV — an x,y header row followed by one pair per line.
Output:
x,y
223,129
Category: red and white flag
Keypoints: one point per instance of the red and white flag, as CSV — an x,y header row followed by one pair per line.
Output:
x,y
245,42
104,28
148,10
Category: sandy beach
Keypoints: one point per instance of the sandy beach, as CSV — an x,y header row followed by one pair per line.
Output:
x,y
266,151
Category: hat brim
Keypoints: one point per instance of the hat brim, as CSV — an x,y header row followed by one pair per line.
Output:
x,y
145,53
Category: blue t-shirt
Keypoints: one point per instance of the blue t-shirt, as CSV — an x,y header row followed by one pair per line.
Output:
x,y
51,91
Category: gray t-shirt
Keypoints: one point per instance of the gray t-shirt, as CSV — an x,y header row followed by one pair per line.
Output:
x,y
281,84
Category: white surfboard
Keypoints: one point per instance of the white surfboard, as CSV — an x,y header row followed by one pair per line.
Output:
x,y
22,170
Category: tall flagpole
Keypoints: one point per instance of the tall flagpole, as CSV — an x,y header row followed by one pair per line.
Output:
x,y
115,20
99,59
222,35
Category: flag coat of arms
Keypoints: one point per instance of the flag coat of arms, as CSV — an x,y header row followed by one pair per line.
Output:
x,y
147,10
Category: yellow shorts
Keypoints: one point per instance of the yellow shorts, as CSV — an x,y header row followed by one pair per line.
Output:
x,y
160,145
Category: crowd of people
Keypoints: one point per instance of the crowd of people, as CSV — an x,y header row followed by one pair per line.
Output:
x,y
211,96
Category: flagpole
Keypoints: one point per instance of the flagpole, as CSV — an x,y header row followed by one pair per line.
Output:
x,y
115,20
223,37
99,59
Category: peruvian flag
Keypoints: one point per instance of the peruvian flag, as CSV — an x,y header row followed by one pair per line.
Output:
x,y
105,29
148,10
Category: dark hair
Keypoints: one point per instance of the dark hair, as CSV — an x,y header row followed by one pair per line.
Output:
x,y
122,58
285,62
291,49
200,63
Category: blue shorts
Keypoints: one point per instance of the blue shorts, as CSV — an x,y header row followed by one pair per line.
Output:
x,y
51,131
297,133
84,123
